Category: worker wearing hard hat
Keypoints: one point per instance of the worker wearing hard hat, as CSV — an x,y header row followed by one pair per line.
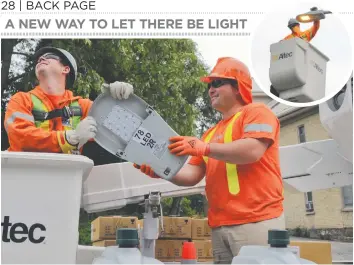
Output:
x,y
306,35
49,118
240,159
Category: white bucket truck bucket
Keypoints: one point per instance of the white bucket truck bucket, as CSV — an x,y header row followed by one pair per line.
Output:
x,y
40,205
298,70
113,186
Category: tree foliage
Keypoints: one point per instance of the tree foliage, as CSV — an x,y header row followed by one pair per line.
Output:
x,y
207,117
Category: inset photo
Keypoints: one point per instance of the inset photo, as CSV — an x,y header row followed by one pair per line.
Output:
x,y
301,54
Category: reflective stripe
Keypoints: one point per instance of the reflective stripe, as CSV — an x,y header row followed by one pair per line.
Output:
x,y
74,121
38,105
258,128
18,114
304,36
64,145
231,169
207,140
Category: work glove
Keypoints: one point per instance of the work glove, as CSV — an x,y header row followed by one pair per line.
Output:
x,y
118,90
188,145
84,131
147,170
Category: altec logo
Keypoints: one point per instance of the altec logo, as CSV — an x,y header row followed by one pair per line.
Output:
x,y
317,67
20,232
283,55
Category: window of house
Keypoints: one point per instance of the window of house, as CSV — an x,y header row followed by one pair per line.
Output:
x,y
309,202
301,133
308,195
347,193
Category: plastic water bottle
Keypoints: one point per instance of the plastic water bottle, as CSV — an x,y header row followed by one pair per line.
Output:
x,y
277,253
127,251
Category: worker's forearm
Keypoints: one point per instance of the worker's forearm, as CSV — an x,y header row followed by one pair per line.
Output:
x,y
31,140
315,27
244,151
188,176
38,140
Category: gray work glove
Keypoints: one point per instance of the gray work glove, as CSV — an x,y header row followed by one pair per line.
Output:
x,y
84,131
118,90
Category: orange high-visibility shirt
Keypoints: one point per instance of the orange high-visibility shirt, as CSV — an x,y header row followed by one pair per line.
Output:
x,y
255,191
306,35
22,132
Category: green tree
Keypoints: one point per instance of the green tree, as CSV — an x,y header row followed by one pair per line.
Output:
x,y
184,206
208,116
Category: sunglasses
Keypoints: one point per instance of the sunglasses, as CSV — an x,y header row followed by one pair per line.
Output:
x,y
49,56
220,82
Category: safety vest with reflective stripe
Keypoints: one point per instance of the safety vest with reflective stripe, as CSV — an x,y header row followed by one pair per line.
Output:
x,y
231,169
39,106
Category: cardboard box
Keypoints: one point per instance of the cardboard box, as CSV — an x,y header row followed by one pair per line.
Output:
x,y
104,243
316,251
176,227
168,250
105,227
201,229
204,250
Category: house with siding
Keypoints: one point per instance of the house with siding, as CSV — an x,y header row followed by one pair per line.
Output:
x,y
323,213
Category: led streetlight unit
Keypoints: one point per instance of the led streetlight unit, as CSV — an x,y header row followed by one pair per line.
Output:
x,y
132,130
313,15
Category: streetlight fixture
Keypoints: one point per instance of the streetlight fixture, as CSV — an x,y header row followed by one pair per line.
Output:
x,y
313,15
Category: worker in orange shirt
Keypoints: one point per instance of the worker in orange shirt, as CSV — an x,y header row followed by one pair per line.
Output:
x,y
240,159
306,35
49,118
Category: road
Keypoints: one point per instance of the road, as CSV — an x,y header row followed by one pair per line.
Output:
x,y
341,251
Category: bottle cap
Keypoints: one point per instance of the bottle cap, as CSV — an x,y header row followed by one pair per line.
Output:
x,y
278,238
127,237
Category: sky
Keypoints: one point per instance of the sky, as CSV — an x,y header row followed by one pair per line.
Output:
x,y
213,48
